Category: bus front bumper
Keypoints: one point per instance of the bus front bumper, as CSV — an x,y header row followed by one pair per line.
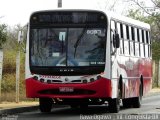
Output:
x,y
100,88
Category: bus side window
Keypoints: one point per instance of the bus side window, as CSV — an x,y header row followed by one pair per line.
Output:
x,y
128,28
132,41
122,37
136,43
126,40
120,32
141,42
149,42
145,44
113,31
127,32
113,28
147,37
133,33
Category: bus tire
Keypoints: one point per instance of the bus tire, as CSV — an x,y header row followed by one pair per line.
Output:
x,y
127,102
74,106
45,104
114,105
84,106
137,101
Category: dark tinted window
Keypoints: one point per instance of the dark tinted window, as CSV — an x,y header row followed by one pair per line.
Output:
x,y
67,17
138,35
133,35
127,30
121,30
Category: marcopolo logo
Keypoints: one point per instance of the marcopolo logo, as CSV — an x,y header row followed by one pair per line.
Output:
x,y
94,32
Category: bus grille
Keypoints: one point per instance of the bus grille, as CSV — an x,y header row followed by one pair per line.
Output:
x,y
75,92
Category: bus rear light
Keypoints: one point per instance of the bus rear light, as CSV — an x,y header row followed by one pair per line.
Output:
x,y
41,80
92,80
35,78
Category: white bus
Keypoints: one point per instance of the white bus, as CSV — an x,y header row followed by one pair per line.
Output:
x,y
87,57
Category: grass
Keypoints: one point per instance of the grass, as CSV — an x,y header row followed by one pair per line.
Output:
x,y
8,90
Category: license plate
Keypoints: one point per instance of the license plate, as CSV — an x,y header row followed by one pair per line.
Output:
x,y
66,89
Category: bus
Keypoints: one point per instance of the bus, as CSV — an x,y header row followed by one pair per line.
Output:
x,y
87,57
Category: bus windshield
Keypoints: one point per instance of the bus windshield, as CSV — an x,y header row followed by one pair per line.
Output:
x,y
51,46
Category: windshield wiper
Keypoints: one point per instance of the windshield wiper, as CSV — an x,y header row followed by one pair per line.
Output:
x,y
78,41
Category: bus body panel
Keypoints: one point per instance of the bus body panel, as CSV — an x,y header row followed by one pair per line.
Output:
x,y
98,89
130,68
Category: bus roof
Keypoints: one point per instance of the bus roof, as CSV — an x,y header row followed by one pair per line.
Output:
x,y
130,21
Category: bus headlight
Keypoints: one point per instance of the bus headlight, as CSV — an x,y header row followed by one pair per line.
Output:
x,y
35,77
41,80
85,81
92,80
98,77
48,81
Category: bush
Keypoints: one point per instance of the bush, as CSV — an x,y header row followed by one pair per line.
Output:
x,y
9,77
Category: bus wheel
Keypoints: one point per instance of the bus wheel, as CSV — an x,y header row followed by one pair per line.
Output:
x,y
127,102
74,106
114,105
45,104
84,106
137,101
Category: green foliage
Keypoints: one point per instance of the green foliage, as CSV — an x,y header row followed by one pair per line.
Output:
x,y
156,50
9,62
10,50
3,34
9,76
9,70
154,21
135,14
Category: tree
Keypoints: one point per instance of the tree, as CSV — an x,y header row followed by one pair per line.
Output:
x,y
3,34
12,37
152,18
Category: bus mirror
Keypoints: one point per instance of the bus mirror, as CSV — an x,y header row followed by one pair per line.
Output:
x,y
20,36
116,40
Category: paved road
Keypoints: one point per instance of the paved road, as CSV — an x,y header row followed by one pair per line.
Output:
x,y
150,105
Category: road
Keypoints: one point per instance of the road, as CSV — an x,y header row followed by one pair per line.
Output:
x,y
150,105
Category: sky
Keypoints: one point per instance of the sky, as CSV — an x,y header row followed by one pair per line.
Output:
x,y
13,12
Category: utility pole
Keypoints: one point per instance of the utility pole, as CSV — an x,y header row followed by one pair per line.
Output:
x,y
1,67
20,37
59,3
17,74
